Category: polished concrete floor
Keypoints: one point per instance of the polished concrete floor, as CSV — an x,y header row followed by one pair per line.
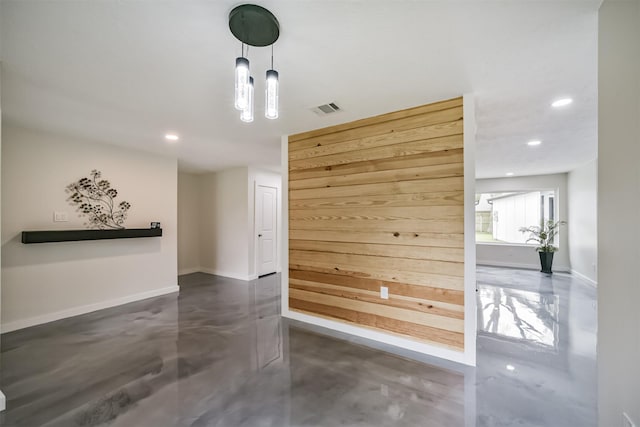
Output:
x,y
218,354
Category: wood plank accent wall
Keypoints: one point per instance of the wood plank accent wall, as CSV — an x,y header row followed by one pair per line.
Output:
x,y
379,202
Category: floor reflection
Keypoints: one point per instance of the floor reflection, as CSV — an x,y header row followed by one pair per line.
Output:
x,y
519,315
266,300
536,349
219,354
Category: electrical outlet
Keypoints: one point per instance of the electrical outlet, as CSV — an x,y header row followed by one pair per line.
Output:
x,y
626,420
60,217
384,292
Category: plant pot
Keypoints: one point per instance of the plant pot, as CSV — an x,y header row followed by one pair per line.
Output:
x,y
546,261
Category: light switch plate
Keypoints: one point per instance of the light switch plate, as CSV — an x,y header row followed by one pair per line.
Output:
x,y
384,292
60,217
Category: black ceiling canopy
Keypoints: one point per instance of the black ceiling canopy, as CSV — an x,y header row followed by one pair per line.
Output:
x,y
254,25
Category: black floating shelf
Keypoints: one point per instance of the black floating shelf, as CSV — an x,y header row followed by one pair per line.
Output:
x,y
77,235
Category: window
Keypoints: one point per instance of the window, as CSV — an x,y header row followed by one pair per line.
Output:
x,y
499,216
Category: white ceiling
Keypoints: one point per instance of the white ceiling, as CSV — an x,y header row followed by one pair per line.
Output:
x,y
127,72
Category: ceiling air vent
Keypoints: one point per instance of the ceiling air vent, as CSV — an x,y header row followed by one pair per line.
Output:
x,y
324,109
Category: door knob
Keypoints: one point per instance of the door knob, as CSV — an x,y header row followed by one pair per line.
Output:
x,y
259,235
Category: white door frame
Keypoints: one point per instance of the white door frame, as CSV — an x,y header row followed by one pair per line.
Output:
x,y
256,239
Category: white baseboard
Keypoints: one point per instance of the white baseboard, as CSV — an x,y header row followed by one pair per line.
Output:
x,y
430,350
560,268
584,278
84,309
189,271
215,272
3,402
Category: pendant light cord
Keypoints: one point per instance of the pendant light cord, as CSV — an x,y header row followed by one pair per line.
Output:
x,y
272,56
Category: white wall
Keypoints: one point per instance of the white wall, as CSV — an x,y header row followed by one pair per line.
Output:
x,y
509,255
269,179
189,221
224,248
216,224
618,212
582,185
44,282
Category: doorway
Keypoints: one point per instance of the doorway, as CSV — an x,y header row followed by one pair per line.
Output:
x,y
266,229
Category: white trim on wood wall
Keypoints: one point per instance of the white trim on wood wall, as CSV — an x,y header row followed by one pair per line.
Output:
x,y
84,309
284,229
382,337
470,315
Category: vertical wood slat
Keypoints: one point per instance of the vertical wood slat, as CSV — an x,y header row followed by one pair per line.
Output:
x,y
379,202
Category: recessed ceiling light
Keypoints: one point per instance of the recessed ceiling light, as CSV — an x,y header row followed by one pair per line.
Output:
x,y
171,137
511,368
562,102
509,174
534,142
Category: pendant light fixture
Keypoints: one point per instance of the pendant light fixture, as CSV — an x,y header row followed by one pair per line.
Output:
x,y
271,92
255,26
242,81
247,113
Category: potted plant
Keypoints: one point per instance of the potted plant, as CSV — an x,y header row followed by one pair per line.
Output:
x,y
544,235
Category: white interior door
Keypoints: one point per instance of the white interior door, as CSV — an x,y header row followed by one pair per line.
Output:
x,y
266,204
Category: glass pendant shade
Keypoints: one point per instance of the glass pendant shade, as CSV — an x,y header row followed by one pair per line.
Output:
x,y
247,114
242,83
254,27
271,95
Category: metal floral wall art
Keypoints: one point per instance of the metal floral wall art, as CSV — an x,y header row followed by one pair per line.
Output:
x,y
95,198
